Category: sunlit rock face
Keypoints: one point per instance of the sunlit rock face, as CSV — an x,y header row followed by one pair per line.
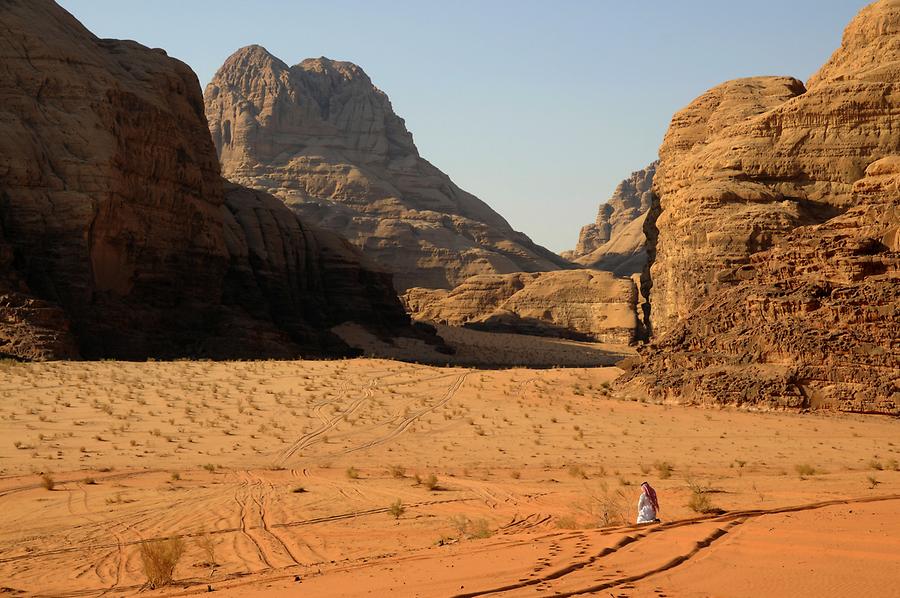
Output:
x,y
323,138
579,304
773,277
615,240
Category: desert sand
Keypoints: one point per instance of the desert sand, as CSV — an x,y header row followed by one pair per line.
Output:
x,y
281,475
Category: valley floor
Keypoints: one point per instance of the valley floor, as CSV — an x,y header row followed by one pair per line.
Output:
x,y
285,477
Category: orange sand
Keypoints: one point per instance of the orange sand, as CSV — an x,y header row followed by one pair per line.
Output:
x,y
529,464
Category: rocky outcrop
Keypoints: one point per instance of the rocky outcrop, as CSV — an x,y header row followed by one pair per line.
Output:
x,y
117,237
322,137
774,267
615,241
577,304
301,279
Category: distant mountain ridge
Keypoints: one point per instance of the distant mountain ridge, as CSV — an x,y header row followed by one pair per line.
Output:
x,y
615,240
323,138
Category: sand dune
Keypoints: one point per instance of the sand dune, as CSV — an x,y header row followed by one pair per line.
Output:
x,y
286,469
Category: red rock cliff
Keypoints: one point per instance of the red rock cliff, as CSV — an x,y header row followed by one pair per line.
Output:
x,y
117,238
774,276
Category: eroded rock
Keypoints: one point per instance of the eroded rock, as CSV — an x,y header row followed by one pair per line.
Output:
x,y
322,137
576,304
116,237
615,240
774,276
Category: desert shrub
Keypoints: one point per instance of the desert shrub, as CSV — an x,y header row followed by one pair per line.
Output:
x,y
699,502
397,509
577,471
567,522
805,469
397,471
608,506
431,482
471,529
663,469
159,559
604,507
352,473
47,482
874,464
873,481
206,544
480,528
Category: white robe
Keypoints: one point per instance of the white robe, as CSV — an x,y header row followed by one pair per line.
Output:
x,y
646,512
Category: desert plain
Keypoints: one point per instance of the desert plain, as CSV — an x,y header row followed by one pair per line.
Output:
x,y
371,477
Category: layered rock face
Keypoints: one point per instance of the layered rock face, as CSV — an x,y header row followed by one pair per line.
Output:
x,y
301,279
774,265
615,241
116,235
577,304
322,137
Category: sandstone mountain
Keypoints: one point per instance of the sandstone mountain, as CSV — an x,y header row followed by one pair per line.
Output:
x,y
773,244
615,241
119,238
323,138
576,304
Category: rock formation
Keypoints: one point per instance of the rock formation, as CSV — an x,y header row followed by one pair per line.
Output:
x,y
774,276
117,235
322,137
615,241
577,304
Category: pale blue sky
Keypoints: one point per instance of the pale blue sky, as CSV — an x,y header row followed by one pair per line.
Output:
x,y
540,108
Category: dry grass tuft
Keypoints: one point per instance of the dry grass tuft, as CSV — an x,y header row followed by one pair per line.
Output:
x,y
471,528
804,470
431,482
699,502
577,471
159,559
397,509
208,546
663,469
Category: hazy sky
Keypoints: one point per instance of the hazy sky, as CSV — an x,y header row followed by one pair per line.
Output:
x,y
540,108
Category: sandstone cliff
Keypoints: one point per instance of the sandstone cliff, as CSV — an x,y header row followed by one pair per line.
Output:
x,y
117,237
577,304
322,137
774,276
615,240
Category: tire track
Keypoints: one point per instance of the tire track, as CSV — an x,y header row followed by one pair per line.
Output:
x,y
675,562
409,420
730,520
260,498
327,424
240,498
